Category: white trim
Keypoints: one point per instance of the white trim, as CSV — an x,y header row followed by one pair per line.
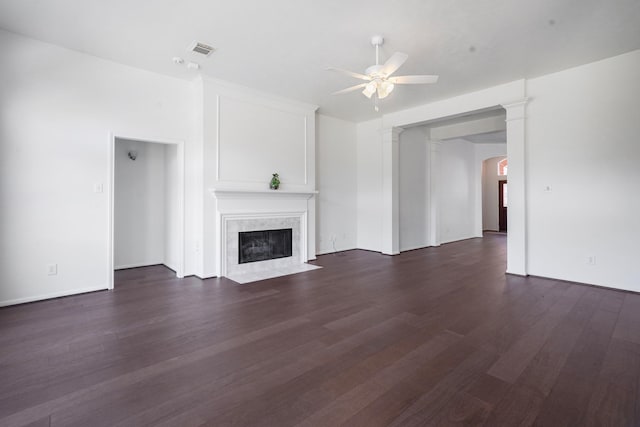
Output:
x,y
337,251
113,136
415,248
306,151
228,193
517,109
66,293
217,137
138,265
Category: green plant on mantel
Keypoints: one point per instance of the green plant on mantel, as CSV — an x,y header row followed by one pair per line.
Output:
x,y
275,182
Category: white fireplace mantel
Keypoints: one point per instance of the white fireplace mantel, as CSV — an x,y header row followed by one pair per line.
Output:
x,y
233,193
240,207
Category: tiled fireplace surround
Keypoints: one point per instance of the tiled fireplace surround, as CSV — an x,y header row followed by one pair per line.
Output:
x,y
255,210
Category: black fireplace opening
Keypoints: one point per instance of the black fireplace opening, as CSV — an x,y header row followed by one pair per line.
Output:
x,y
263,245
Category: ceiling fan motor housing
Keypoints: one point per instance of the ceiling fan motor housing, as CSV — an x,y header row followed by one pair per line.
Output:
x,y
374,71
377,40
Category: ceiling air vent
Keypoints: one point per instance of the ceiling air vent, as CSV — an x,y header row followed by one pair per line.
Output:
x,y
201,48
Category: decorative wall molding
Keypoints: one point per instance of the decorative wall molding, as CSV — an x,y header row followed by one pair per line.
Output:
x,y
297,144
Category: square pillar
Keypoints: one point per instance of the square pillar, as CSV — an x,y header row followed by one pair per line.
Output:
x,y
390,191
435,184
517,234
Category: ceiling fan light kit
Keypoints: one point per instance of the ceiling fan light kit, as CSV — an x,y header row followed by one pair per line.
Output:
x,y
380,83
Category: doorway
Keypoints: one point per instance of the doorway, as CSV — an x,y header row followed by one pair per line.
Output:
x,y
502,205
494,173
146,211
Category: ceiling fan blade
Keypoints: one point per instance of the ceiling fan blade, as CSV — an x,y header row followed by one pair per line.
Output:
x,y
393,63
349,73
413,80
350,89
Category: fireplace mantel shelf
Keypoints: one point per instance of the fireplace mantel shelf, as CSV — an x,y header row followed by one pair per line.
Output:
x,y
229,193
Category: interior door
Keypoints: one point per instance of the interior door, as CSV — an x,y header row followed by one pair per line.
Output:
x,y
502,205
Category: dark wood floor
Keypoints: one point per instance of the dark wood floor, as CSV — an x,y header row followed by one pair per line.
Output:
x,y
439,336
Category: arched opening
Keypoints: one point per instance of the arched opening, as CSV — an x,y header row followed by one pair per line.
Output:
x,y
502,167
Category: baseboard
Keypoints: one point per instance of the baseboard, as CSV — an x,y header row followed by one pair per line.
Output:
x,y
51,296
146,264
414,248
593,285
458,239
522,275
330,251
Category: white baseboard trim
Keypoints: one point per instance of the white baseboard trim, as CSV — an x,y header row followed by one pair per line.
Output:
x,y
413,248
146,264
51,295
523,274
331,251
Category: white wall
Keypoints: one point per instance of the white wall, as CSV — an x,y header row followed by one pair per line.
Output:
x,y
457,195
582,142
490,179
414,180
337,186
57,110
138,204
369,179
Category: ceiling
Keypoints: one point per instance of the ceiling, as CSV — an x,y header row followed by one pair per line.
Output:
x,y
498,137
283,46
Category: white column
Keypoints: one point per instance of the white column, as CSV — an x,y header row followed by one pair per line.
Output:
x,y
517,221
390,191
311,228
434,192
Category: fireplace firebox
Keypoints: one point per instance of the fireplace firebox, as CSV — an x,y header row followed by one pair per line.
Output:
x,y
264,245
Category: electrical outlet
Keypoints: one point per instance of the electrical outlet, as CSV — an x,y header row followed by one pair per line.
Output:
x,y
591,260
98,187
52,269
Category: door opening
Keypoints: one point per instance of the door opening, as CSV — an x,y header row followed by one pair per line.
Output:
x,y
146,210
502,205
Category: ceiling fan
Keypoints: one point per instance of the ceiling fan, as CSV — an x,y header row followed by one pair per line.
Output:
x,y
378,80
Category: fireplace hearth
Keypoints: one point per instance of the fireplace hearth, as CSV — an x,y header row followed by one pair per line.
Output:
x,y
264,245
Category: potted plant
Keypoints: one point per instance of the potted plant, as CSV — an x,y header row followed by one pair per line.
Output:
x,y
275,182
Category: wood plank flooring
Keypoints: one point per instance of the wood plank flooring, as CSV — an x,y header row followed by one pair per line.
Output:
x,y
437,336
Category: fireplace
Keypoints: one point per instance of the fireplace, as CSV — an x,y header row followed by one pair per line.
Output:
x,y
264,245
240,211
